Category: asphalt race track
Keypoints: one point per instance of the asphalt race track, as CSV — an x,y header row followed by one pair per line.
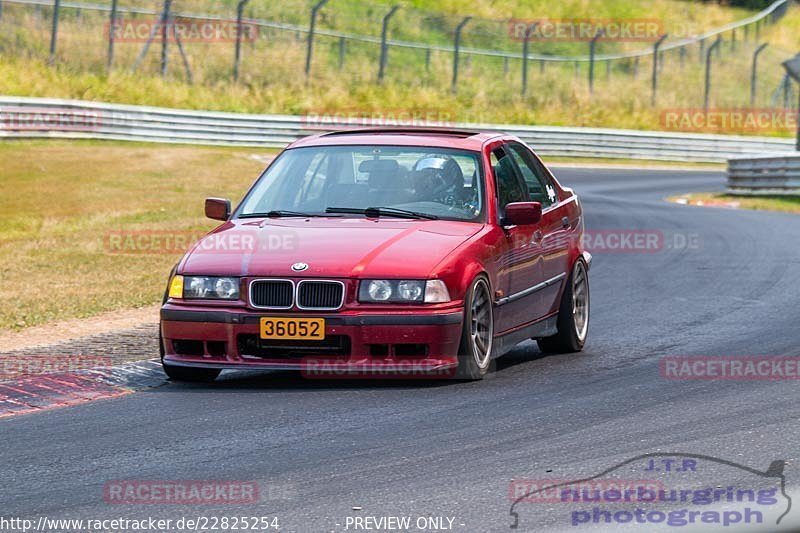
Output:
x,y
723,282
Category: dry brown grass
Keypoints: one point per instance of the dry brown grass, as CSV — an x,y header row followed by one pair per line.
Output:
x,y
66,196
783,204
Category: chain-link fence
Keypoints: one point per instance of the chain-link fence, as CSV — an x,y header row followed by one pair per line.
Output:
x,y
294,43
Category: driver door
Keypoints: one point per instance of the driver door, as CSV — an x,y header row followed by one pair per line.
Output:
x,y
555,226
519,261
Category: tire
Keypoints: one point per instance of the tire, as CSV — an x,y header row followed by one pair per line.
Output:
x,y
185,373
573,314
476,350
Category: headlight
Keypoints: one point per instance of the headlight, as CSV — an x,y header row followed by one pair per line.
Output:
x,y
207,287
410,290
404,290
379,290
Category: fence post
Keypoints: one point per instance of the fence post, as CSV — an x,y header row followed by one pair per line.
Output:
x,y
311,27
654,80
189,77
733,40
787,91
754,74
54,31
797,140
237,55
341,52
708,72
384,47
427,59
525,44
505,65
792,68
456,46
636,67
145,48
165,36
112,22
592,46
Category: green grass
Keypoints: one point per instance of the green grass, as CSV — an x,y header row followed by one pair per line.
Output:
x,y
784,204
54,258
272,79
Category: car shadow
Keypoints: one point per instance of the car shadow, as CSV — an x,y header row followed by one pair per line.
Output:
x,y
288,381
525,352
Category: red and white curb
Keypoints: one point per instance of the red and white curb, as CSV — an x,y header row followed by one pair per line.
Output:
x,y
38,392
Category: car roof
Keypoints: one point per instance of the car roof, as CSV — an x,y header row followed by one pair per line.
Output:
x,y
401,136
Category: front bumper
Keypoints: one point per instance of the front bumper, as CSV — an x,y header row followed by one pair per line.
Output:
x,y
355,342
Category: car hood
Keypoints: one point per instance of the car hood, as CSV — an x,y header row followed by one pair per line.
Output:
x,y
331,247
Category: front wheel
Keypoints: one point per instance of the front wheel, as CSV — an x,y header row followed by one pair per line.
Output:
x,y
477,339
573,314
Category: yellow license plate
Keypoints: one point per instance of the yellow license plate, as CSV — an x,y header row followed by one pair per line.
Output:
x,y
293,328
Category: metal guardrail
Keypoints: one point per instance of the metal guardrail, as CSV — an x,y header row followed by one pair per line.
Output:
x,y
779,175
23,117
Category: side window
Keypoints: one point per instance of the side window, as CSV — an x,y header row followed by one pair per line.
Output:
x,y
509,186
539,187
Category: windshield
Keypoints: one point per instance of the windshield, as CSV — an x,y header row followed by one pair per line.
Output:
x,y
441,183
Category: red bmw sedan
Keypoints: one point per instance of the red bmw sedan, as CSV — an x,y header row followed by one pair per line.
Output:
x,y
383,252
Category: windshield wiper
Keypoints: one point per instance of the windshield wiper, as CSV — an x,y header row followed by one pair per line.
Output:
x,y
280,213
382,211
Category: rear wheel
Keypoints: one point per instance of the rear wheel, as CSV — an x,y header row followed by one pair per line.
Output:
x,y
185,373
476,350
573,314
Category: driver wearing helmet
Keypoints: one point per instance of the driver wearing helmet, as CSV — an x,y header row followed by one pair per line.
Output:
x,y
438,178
